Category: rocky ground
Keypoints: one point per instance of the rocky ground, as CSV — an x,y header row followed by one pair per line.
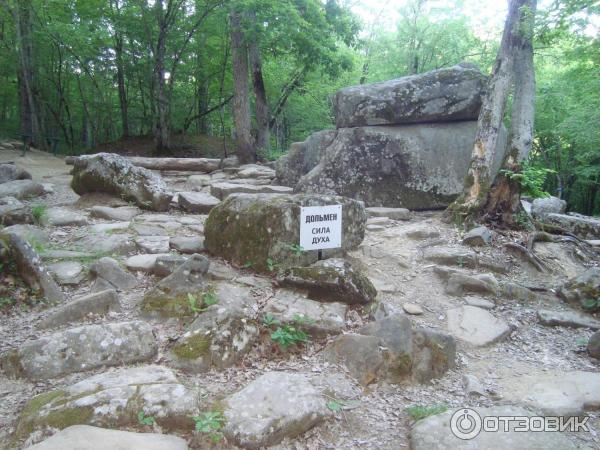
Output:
x,y
514,348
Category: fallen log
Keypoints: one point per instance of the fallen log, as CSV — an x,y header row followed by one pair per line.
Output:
x,y
205,165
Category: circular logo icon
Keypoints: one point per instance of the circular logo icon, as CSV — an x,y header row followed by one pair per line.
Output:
x,y
465,424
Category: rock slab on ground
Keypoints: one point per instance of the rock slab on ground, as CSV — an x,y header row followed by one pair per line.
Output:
x,y
80,308
476,326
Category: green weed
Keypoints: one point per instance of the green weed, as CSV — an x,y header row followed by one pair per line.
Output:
x,y
420,412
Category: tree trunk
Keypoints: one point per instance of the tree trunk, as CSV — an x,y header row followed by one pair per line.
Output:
x,y
491,115
121,85
503,200
162,135
260,95
241,107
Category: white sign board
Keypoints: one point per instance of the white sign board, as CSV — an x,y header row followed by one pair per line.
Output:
x,y
320,227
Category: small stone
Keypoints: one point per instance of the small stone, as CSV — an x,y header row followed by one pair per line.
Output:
x,y
121,214
11,172
275,406
392,213
571,319
143,263
110,227
548,205
197,202
361,355
472,385
166,264
153,244
412,308
84,437
476,326
63,217
110,270
479,302
479,236
594,345
67,272
14,212
187,245
78,309
21,189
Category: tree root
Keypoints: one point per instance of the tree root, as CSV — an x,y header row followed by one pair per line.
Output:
x,y
528,255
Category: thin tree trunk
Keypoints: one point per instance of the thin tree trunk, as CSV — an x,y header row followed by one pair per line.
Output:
x,y
503,201
241,107
491,115
121,85
260,96
162,135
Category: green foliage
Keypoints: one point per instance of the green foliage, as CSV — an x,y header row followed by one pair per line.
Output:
x,y
145,420
420,412
591,303
248,264
289,334
208,297
211,423
271,265
531,179
296,249
39,211
6,302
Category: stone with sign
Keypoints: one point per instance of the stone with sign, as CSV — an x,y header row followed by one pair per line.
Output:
x,y
262,231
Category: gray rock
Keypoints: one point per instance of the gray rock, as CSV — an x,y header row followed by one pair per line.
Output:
x,y
63,217
302,157
121,214
459,284
323,318
464,258
218,338
582,288
197,202
11,172
479,302
81,349
516,291
107,244
78,309
549,205
412,309
419,233
412,353
479,236
225,189
142,263
363,356
392,213
153,244
441,95
33,235
21,189
187,245
572,319
13,212
169,298
67,272
558,393
255,171
111,227
167,264
434,433
114,399
472,385
110,270
115,175
31,268
274,406
405,166
476,326
594,345
84,437
583,226
255,228
332,280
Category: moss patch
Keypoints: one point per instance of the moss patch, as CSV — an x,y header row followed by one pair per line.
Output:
x,y
166,305
194,347
30,415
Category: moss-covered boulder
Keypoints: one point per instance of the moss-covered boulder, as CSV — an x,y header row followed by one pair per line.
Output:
x,y
262,231
179,294
113,399
332,280
112,174
583,290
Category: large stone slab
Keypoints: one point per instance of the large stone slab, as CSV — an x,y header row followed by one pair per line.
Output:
x,y
476,326
409,166
582,289
583,226
197,202
555,394
114,399
110,270
274,406
302,157
441,95
255,229
13,212
572,319
81,349
549,205
224,190
78,309
121,214
112,174
12,172
21,189
434,433
67,272
84,437
63,217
